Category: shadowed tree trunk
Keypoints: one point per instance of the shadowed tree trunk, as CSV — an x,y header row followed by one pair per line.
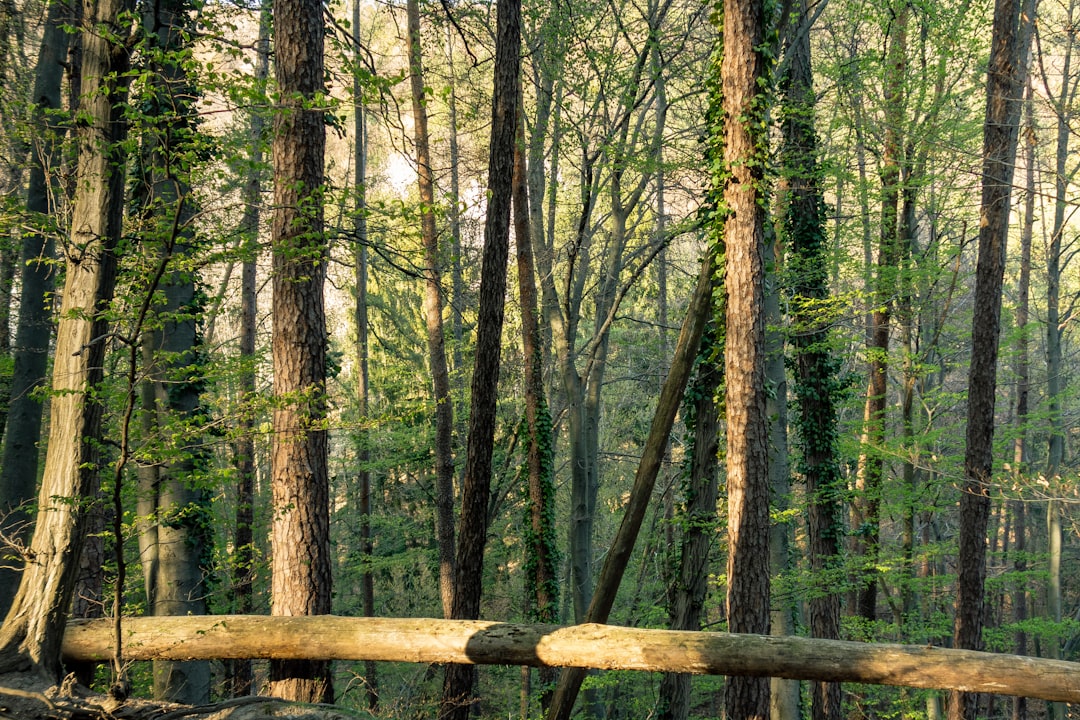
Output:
x,y
1013,20
19,464
300,547
459,680
816,369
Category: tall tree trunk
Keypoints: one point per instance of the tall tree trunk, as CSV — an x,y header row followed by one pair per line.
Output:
x,y
300,543
459,680
816,369
1021,452
360,257
433,317
19,463
541,582
1005,82
34,626
743,74
240,673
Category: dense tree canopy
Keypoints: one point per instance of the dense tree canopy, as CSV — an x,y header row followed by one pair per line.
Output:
x,y
258,323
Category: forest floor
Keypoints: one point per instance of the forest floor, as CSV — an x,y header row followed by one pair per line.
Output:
x,y
25,696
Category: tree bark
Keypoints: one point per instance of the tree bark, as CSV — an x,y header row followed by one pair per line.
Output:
x,y
1005,81
422,640
300,541
742,74
33,629
459,680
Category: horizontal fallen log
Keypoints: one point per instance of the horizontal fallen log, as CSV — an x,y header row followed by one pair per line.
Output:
x,y
421,640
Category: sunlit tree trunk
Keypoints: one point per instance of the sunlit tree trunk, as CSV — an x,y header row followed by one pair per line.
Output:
x,y
34,627
300,547
743,74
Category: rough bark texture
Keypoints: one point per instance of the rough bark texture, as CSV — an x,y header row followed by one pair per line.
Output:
x,y
459,679
1005,81
423,640
300,563
742,72
433,318
34,627
19,465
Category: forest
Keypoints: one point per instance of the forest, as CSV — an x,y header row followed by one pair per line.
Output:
x,y
567,322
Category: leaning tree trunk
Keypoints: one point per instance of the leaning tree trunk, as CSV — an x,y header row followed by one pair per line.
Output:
x,y
1005,81
33,630
19,463
300,543
460,679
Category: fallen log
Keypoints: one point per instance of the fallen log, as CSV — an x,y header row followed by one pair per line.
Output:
x,y
608,647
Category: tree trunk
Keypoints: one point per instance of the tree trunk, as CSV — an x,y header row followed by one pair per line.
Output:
x,y
423,640
541,582
871,473
19,464
816,369
1005,81
34,626
300,541
743,74
360,257
241,677
433,317
459,680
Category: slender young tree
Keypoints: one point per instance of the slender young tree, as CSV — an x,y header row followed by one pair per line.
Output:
x,y
300,541
240,674
1013,20
476,485
433,318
